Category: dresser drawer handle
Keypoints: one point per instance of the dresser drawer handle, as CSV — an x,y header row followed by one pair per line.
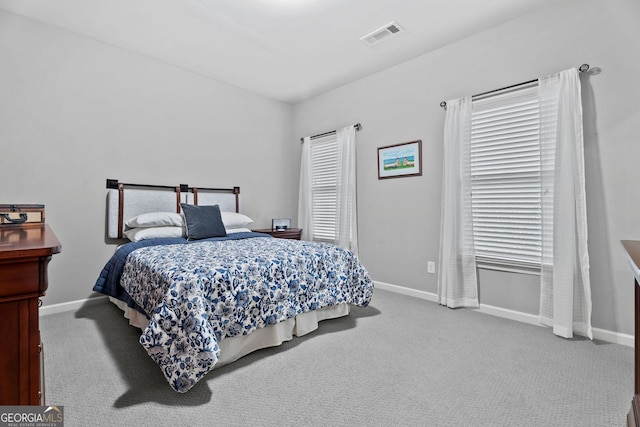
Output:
x,y
23,218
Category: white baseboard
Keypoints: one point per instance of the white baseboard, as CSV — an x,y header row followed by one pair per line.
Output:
x,y
531,319
69,306
613,337
429,296
519,316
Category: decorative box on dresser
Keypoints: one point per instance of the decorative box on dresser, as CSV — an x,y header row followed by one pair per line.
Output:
x,y
290,233
25,253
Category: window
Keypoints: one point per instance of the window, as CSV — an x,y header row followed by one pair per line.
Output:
x,y
327,193
506,184
324,169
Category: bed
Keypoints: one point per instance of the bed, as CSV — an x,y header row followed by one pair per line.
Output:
x,y
205,290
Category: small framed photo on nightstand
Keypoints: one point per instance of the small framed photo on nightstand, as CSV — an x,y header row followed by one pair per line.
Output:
x,y
280,224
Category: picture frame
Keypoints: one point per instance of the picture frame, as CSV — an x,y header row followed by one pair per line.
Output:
x,y
400,160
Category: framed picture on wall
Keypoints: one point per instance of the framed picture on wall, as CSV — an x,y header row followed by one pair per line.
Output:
x,y
400,160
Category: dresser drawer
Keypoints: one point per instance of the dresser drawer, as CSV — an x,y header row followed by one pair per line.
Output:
x,y
20,357
20,277
291,233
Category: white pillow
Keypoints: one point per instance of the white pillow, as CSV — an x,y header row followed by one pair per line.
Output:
x,y
156,219
237,230
137,234
235,220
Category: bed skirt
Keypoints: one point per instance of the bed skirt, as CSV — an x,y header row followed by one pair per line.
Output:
x,y
233,348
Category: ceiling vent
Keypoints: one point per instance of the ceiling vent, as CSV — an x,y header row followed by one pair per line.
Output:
x,y
381,34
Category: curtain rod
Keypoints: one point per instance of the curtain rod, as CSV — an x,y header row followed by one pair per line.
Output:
x,y
583,68
358,127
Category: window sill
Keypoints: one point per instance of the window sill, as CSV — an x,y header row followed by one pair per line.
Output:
x,y
508,265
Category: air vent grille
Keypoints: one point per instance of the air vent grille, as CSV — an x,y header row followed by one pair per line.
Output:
x,y
382,33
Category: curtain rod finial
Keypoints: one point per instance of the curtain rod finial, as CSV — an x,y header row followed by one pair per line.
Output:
x,y
443,104
583,68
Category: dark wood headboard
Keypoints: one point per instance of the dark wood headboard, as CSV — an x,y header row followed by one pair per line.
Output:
x,y
125,201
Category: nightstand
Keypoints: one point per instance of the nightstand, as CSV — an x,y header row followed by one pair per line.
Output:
x,y
291,233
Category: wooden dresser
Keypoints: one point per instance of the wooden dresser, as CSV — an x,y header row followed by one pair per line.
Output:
x,y
24,256
632,249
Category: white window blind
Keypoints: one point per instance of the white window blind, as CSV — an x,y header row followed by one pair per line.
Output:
x,y
324,157
505,167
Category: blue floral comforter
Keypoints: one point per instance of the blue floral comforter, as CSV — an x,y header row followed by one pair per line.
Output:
x,y
197,294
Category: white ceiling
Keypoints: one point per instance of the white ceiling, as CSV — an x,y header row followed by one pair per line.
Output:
x,y
287,50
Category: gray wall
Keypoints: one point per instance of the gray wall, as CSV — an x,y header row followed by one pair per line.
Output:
x,y
399,219
74,112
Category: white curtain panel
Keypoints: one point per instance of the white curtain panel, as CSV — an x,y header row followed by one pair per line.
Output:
x,y
565,293
457,279
347,223
305,207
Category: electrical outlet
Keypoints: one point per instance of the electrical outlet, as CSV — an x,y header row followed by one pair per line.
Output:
x,y
431,267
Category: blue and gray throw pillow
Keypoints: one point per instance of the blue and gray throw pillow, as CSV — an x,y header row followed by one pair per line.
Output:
x,y
203,222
